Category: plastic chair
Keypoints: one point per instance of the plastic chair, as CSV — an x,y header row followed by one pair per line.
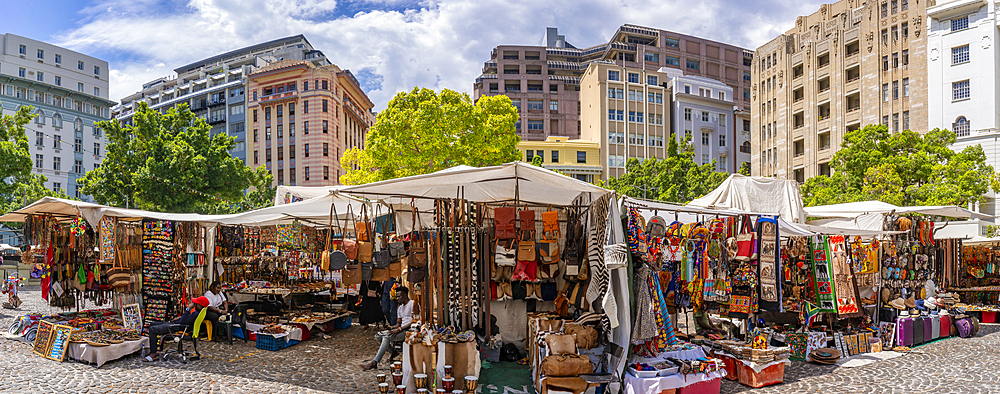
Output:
x,y
181,336
237,316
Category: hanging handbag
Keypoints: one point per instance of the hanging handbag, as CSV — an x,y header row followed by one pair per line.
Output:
x,y
505,222
418,246
325,256
397,249
118,276
381,258
365,245
745,241
526,249
380,274
525,271
352,273
337,257
366,271
548,251
527,217
505,254
361,227
550,225
416,275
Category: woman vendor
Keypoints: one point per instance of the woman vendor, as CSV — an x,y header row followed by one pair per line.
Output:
x,y
217,305
396,333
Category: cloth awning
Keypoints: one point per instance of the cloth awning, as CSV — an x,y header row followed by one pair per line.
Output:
x,y
515,181
66,210
759,195
289,194
855,209
314,211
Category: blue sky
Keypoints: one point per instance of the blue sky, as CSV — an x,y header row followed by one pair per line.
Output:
x,y
390,45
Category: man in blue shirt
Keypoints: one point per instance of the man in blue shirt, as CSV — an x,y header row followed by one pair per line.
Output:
x,y
157,330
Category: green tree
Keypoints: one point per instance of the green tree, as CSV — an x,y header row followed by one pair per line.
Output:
x,y
166,162
675,178
536,161
15,159
904,168
423,131
259,195
745,168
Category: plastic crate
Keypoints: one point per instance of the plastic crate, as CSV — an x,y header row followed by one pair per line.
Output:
x,y
771,375
730,365
269,342
713,386
344,322
989,317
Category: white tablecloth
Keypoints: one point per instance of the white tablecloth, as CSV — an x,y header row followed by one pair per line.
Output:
x,y
102,354
690,354
635,385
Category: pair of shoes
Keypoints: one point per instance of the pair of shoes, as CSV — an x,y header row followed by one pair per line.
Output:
x,y
393,355
368,367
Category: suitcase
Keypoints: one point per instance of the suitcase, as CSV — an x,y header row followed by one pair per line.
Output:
x,y
918,331
904,335
928,329
935,327
945,326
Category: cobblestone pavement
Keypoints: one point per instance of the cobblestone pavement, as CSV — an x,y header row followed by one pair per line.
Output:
x,y
330,365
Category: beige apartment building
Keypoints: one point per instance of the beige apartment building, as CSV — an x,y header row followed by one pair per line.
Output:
x,y
627,110
545,81
848,65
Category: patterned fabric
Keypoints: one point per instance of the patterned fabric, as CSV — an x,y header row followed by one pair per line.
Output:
x,y
107,238
666,336
600,277
646,321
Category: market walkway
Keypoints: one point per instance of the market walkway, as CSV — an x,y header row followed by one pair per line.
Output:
x,y
329,365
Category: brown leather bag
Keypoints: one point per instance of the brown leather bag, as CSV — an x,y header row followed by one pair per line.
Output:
x,y
418,246
550,225
352,273
553,325
565,365
526,250
527,217
505,222
586,337
560,343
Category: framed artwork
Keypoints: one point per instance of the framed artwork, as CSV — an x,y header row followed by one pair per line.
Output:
x,y
132,317
887,333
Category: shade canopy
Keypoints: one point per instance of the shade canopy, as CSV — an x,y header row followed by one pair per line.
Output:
x,y
856,209
315,211
66,210
515,181
756,195
289,194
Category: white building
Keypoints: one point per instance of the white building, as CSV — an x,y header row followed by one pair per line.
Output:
x,y
963,62
69,91
703,110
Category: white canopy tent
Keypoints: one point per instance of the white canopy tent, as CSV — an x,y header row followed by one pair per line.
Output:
x,y
315,211
856,209
289,194
64,209
758,195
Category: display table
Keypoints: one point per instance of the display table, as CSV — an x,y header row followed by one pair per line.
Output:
x,y
657,385
688,354
102,354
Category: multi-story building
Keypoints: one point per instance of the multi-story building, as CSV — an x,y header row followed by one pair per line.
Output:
x,y
214,87
545,81
703,111
579,159
850,64
69,92
303,117
626,110
962,84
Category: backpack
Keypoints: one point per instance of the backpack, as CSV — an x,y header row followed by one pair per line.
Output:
x,y
965,327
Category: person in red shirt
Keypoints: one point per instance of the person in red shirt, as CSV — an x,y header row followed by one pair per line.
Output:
x,y
158,330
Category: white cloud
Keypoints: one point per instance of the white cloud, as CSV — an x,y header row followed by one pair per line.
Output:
x,y
434,43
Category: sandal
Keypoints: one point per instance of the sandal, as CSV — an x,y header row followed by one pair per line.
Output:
x,y
149,359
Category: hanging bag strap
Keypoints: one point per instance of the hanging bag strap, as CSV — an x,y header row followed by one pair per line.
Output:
x,y
329,229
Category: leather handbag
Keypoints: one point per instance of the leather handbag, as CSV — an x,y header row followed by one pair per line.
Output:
x,y
567,365
550,225
526,249
561,343
395,269
527,218
380,274
351,275
505,222
397,249
366,271
525,271
365,245
505,253
381,258
416,275
548,251
119,276
586,337
361,227
418,246
745,241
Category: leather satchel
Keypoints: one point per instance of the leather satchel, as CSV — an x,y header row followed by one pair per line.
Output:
x,y
548,251
504,222
350,249
586,337
352,274
527,217
561,343
550,224
566,365
418,252
361,227
380,274
526,250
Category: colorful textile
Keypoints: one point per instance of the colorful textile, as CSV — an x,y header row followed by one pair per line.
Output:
x,y
846,288
107,237
770,261
822,276
797,345
666,336
807,313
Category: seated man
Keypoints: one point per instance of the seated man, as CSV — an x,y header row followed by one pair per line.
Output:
x,y
217,305
157,330
397,333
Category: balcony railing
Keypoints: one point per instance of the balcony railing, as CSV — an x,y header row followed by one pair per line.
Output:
x,y
217,102
216,120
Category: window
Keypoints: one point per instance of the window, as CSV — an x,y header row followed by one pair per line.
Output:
x,y
78,166
652,80
78,145
541,155
633,77
529,154
722,96
672,61
687,114
39,160
705,138
326,173
687,89
97,149
79,87
904,5
581,156
746,94
961,127
895,6
960,23
704,159
906,57
326,149
326,127
722,120
672,42
535,105
722,140
325,85
659,98
895,122
885,121
639,117
895,60
621,115
21,49
906,120
631,95
58,81
324,106
960,54
885,9
652,57
631,116
56,186
79,65
40,76
57,163
554,106
305,150
620,94
97,91
960,90
21,72
536,125
614,75
41,54
694,64
895,90
611,114
39,138
704,116
611,93
57,142
555,156
906,30
305,173
885,92
517,104
97,70
885,63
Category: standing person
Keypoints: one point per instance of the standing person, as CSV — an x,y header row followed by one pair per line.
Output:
x,y
397,333
389,300
371,303
178,324
217,305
